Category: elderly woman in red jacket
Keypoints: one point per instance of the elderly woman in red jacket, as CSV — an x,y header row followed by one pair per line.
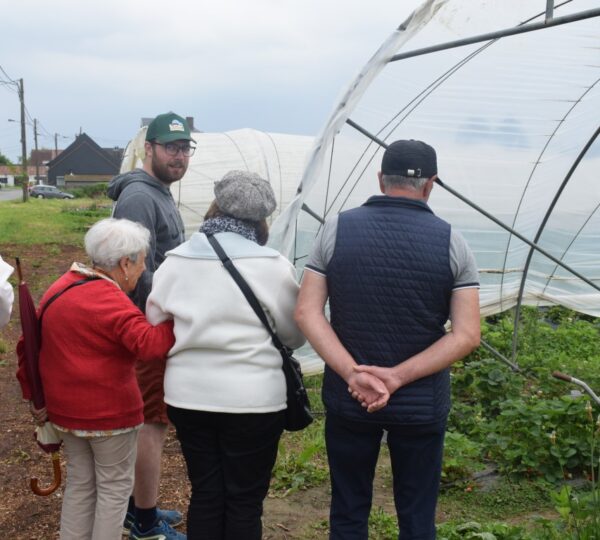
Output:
x,y
92,335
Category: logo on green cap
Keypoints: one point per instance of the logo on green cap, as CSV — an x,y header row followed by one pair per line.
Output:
x,y
176,125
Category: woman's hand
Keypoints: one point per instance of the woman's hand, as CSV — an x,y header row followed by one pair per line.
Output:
x,y
39,415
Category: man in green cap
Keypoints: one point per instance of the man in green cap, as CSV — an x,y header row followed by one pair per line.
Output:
x,y
143,195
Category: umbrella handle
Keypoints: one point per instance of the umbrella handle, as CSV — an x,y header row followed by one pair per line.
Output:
x,y
34,483
19,271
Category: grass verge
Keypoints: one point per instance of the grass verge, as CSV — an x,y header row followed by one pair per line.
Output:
x,y
41,221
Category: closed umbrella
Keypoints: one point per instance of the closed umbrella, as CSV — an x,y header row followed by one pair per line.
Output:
x,y
46,435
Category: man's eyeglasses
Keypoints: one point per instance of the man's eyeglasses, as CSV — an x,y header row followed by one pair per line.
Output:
x,y
173,149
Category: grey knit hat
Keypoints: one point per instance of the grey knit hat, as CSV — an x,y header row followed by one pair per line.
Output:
x,y
245,195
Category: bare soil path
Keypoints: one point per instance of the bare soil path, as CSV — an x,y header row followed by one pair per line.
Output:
x,y
25,516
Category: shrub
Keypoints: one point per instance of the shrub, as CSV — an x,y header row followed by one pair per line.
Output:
x,y
21,179
94,191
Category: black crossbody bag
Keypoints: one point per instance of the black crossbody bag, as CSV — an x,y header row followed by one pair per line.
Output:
x,y
297,414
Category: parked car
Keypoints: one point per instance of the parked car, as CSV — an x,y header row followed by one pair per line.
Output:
x,y
49,192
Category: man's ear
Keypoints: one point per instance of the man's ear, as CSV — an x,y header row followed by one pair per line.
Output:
x,y
147,149
428,186
381,185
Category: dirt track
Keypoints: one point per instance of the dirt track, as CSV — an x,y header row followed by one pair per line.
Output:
x,y
25,516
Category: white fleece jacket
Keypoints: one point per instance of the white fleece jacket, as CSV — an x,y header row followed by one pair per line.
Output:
x,y
223,359
6,293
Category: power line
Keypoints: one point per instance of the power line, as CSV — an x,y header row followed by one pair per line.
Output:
x,y
13,81
13,85
9,84
40,125
47,132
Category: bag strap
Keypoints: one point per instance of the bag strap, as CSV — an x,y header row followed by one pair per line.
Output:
x,y
55,296
245,288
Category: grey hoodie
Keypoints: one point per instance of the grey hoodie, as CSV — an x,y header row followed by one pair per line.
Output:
x,y
141,197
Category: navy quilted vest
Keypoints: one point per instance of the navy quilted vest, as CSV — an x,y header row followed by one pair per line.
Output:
x,y
389,284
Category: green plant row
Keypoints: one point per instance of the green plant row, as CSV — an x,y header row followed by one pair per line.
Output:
x,y
528,423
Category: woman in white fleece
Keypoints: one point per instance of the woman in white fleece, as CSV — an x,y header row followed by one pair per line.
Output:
x,y
224,384
6,293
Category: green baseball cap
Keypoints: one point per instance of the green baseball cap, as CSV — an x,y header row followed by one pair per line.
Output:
x,y
168,127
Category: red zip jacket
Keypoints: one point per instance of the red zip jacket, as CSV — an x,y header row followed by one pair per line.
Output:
x,y
91,337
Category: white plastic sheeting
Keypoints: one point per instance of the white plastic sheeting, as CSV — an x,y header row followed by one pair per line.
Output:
x,y
513,121
279,158
508,118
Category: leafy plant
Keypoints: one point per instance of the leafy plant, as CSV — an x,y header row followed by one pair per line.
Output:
x,y
483,531
467,418
382,526
461,457
540,437
301,461
580,514
486,383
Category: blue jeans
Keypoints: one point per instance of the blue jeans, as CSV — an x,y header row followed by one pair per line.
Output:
x,y
416,453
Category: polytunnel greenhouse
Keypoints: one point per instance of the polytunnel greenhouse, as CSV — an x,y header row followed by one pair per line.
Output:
x,y
277,157
508,94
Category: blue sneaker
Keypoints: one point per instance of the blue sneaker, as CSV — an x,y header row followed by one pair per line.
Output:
x,y
171,517
161,531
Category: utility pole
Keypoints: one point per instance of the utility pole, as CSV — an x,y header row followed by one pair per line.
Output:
x,y
37,155
25,176
55,145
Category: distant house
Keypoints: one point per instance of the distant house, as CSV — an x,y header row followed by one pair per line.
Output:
x,y
41,158
9,172
84,162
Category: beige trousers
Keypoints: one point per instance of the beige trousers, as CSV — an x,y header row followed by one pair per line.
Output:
x,y
99,482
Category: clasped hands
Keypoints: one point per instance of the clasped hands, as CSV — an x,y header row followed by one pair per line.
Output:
x,y
372,386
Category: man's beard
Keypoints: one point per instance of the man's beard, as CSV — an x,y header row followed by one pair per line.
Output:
x,y
164,171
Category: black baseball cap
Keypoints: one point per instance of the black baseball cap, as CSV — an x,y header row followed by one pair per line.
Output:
x,y
409,158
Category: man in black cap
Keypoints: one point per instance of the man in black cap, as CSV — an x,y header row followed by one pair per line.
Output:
x,y
144,195
394,274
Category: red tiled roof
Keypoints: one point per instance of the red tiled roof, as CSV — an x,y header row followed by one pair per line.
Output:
x,y
15,170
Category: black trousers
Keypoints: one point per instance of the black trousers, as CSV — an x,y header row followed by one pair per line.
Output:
x,y
229,460
416,453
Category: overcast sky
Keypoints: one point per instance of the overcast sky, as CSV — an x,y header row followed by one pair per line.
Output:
x,y
99,66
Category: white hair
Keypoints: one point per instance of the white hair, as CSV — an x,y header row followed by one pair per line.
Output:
x,y
398,181
109,240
